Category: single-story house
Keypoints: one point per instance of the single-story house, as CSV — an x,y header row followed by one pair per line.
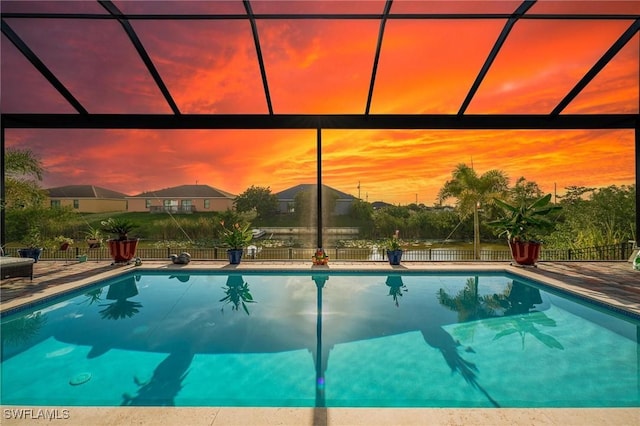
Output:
x,y
380,204
87,198
182,199
286,198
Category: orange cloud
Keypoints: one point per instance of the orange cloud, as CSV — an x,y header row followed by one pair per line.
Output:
x,y
311,67
528,77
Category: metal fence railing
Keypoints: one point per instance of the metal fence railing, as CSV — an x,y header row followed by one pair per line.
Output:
x,y
612,252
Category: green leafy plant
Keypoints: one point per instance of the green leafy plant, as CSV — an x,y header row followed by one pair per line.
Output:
x,y
93,234
60,241
33,239
119,227
394,243
524,222
237,236
93,237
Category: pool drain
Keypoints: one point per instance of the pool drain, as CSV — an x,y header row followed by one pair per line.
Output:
x,y
79,379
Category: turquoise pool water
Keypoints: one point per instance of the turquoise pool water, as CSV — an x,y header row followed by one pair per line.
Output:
x,y
338,339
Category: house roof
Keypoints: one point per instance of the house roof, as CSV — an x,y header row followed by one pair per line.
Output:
x,y
83,191
290,193
189,191
380,204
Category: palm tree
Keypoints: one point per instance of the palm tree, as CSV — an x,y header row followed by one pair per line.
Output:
x,y
473,191
469,305
23,170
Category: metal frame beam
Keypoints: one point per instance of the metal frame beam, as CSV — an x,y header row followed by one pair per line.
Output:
x,y
327,121
40,66
383,23
114,11
319,186
256,41
521,10
598,66
637,150
330,16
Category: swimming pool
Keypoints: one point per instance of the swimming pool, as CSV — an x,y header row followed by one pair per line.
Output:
x,y
410,339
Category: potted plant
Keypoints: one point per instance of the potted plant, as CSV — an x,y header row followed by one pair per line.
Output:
x,y
523,225
93,237
62,243
320,257
33,244
236,238
394,249
122,248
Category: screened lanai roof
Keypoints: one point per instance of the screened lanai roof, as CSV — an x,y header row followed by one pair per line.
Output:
x,y
252,64
372,64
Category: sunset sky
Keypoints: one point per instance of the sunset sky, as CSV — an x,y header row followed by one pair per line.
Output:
x,y
323,67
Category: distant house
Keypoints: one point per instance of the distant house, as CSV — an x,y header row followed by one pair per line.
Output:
x,y
87,198
287,197
379,205
182,199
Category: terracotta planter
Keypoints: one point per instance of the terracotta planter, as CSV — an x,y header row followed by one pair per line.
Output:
x,y
122,250
525,253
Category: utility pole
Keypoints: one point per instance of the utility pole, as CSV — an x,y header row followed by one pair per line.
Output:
x,y
358,190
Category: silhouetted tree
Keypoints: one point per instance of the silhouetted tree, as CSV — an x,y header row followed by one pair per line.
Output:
x,y
258,199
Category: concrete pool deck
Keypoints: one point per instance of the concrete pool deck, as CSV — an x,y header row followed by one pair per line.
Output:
x,y
612,283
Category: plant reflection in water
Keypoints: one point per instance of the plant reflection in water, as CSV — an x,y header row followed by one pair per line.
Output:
x,y
516,305
396,288
120,292
237,293
22,329
94,295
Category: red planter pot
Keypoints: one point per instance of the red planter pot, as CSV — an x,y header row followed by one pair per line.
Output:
x,y
525,253
122,250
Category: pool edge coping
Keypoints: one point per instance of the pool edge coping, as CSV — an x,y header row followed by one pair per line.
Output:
x,y
222,416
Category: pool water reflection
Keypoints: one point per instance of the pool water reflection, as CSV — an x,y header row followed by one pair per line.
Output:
x,y
335,339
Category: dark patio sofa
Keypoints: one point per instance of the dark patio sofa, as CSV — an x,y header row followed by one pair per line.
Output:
x,y
12,267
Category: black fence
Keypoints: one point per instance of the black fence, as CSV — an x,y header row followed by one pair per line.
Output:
x,y
612,253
